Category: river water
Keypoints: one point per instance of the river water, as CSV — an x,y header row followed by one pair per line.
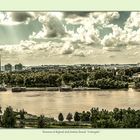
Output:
x,y
52,103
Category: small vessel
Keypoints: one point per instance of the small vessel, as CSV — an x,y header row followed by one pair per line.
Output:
x,y
65,88
18,89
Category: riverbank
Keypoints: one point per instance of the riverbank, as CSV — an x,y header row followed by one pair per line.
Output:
x,y
93,118
65,89
61,89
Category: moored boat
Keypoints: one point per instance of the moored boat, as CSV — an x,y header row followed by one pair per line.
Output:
x,y
65,88
18,89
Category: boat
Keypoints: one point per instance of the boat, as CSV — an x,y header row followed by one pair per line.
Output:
x,y
65,88
85,89
18,89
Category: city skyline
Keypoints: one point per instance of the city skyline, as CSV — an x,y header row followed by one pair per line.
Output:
x,y
36,38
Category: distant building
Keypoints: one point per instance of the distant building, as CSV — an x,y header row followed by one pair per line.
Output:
x,y
18,67
8,67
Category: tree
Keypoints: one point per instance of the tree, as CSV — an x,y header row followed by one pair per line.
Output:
x,y
41,122
22,118
85,116
53,80
60,117
76,117
0,115
22,123
94,115
8,118
68,77
69,117
0,110
22,113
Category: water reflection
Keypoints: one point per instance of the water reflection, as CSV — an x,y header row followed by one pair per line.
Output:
x,y
52,103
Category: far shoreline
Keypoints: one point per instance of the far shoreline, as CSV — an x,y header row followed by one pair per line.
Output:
x,y
53,89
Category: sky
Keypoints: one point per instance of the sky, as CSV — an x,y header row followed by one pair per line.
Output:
x,y
82,37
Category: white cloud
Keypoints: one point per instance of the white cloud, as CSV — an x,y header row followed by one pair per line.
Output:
x,y
98,18
67,48
118,37
126,36
79,53
86,34
134,38
82,42
2,16
133,20
52,25
103,18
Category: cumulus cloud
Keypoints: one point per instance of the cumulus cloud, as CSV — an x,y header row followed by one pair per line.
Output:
x,y
67,48
2,16
132,29
52,25
129,35
79,53
117,38
86,34
21,16
97,18
104,17
25,45
78,35
133,37
133,20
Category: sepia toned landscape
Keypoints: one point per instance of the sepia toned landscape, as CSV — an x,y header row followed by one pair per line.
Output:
x,y
70,69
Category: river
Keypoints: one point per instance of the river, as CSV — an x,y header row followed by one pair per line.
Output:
x,y
52,103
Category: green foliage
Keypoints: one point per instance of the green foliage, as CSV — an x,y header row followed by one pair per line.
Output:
x,y
137,83
22,123
0,116
22,118
85,116
118,118
108,84
95,118
22,114
68,77
99,77
0,110
60,117
41,122
77,116
8,118
69,117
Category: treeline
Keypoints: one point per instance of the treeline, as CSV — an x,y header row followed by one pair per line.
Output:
x,y
118,118
21,119
99,77
95,118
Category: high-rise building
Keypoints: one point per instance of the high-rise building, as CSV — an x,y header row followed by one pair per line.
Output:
x,y
18,67
8,67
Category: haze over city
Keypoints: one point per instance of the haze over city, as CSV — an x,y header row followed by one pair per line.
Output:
x,y
35,38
